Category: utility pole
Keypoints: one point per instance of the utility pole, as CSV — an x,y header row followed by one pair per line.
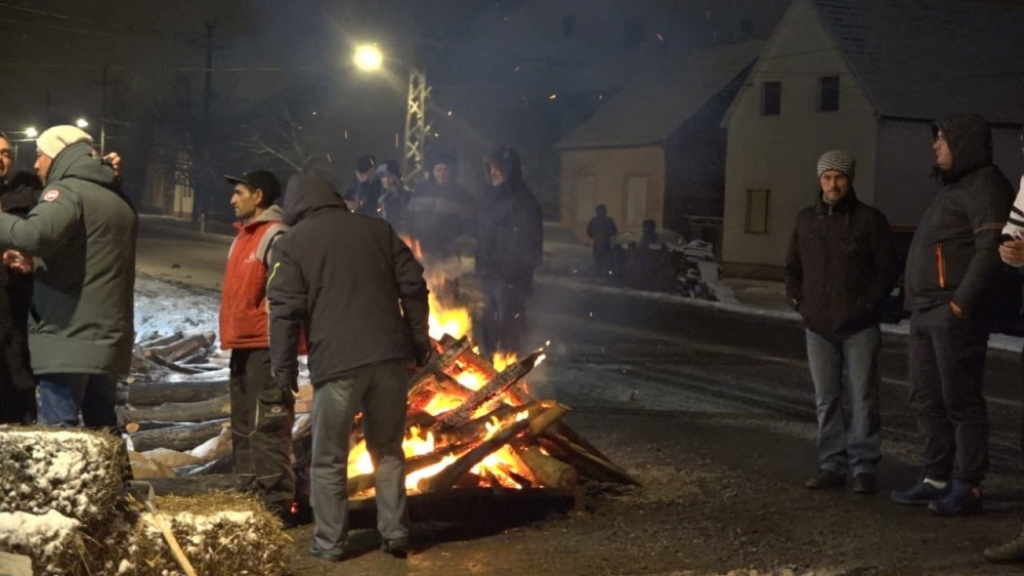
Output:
x,y
205,134
416,128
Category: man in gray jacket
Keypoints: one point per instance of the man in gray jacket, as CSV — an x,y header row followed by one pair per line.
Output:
x,y
81,238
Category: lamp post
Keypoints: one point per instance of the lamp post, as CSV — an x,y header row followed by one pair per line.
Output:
x,y
369,58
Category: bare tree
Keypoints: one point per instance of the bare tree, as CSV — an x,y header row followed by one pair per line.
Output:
x,y
274,134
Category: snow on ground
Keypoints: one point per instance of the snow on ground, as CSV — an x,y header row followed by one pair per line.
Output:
x,y
161,309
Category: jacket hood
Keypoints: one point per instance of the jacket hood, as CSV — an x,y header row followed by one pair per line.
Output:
x,y
78,161
507,160
306,194
970,140
274,212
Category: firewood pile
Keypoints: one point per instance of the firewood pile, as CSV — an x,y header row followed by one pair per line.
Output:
x,y
469,423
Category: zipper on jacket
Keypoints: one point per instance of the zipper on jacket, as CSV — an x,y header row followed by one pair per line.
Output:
x,y
940,265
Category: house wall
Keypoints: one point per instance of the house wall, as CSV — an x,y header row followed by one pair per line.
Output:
x,y
610,169
780,153
905,158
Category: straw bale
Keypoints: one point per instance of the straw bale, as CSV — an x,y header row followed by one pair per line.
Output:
x,y
220,533
53,541
76,472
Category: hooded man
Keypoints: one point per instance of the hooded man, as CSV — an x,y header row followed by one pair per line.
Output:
x,y
509,248
952,266
82,236
262,413
394,196
362,301
601,229
840,267
365,190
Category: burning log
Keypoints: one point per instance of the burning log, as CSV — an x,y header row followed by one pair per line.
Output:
x,y
150,393
588,464
550,472
440,364
357,484
212,409
449,476
428,388
180,349
492,389
181,438
476,428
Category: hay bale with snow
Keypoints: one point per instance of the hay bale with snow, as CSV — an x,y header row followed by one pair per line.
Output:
x,y
78,473
53,541
220,533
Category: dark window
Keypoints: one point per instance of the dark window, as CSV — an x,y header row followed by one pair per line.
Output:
x,y
828,94
635,33
758,209
568,26
771,98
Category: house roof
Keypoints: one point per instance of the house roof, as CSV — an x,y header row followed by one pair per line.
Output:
x,y
652,105
923,59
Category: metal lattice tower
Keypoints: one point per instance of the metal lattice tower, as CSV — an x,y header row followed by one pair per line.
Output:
x,y
416,128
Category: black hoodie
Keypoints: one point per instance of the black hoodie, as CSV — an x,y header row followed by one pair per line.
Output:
x,y
954,256
349,281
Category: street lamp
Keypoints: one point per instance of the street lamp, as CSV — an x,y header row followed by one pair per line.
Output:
x,y
369,58
31,132
82,123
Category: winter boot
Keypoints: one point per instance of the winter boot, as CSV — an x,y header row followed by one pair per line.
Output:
x,y
963,499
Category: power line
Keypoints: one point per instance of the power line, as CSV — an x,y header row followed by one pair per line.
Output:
x,y
94,23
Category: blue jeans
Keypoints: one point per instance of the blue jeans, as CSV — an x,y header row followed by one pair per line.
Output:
x,y
63,396
856,353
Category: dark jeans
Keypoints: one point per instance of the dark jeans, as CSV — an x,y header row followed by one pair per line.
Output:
x,y
378,390
504,316
261,427
947,363
602,259
62,397
856,353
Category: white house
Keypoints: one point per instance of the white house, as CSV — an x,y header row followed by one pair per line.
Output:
x,y
868,76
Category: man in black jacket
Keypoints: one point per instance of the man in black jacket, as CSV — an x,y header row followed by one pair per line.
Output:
x,y
952,266
17,384
840,267
510,242
362,302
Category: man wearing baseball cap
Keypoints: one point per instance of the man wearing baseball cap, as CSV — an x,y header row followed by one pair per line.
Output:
x,y
261,413
840,267
82,326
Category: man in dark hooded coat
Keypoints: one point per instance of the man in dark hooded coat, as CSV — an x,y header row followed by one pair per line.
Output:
x,y
952,266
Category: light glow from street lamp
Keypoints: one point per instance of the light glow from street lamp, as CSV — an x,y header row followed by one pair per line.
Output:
x,y
82,123
369,58
31,132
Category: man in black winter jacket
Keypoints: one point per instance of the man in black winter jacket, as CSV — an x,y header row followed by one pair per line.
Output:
x,y
952,266
840,267
510,243
17,384
362,302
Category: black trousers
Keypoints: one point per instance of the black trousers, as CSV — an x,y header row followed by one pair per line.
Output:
x,y
504,325
947,363
261,427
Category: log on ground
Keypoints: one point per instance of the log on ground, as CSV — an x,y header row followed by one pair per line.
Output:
x,y
151,393
212,409
181,438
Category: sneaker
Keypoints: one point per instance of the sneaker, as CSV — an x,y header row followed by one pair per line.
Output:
x,y
920,494
328,555
1008,552
864,483
397,547
963,499
825,480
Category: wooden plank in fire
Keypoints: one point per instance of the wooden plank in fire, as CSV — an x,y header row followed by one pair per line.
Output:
x,y
498,384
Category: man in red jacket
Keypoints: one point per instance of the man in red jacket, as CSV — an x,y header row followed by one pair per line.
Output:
x,y
262,413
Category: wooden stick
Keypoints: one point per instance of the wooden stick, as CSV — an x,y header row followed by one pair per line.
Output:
x,y
492,389
587,463
551,472
449,476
